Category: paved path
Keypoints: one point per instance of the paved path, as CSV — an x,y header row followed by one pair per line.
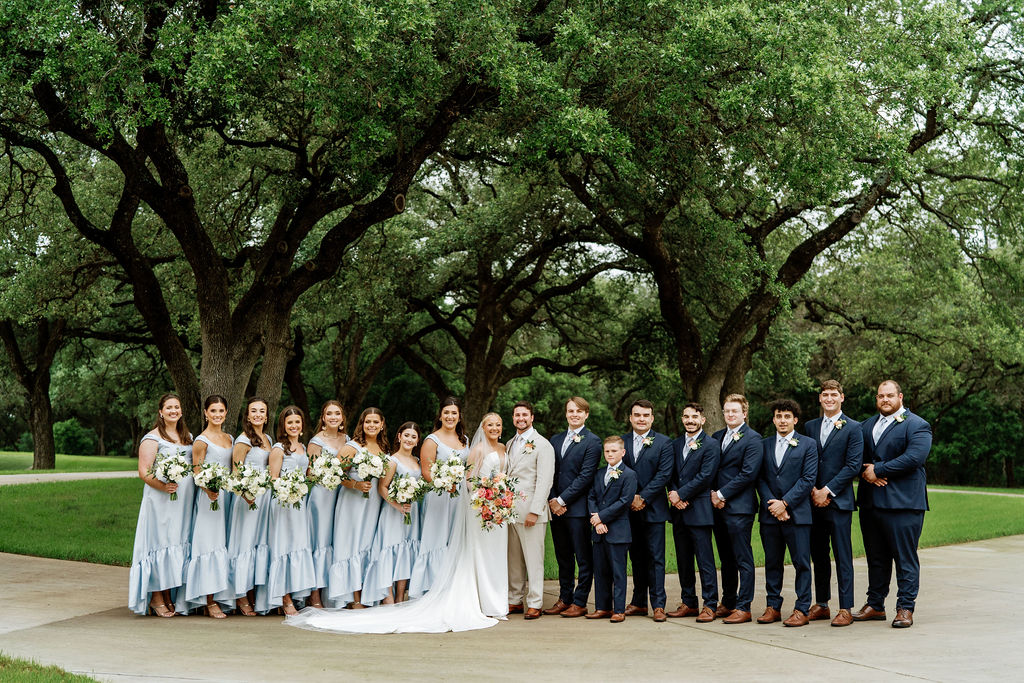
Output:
x,y
41,477
74,615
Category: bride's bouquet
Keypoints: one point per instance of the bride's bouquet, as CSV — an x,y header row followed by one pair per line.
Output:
x,y
370,465
175,467
494,500
291,488
249,482
212,476
326,470
447,474
405,488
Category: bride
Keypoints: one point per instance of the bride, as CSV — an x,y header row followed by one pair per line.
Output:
x,y
471,590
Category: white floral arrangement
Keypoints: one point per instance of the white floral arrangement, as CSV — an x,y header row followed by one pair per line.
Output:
x,y
327,471
214,477
405,488
290,489
249,482
446,475
174,467
370,465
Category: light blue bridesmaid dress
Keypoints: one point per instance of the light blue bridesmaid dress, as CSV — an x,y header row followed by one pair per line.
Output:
x,y
208,567
437,512
394,547
321,524
162,538
247,540
290,571
355,522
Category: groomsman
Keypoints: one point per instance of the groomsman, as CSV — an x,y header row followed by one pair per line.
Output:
x,y
696,457
735,505
893,498
608,503
531,460
577,454
649,454
840,454
788,473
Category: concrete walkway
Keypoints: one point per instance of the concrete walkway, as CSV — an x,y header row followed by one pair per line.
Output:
x,y
74,615
43,477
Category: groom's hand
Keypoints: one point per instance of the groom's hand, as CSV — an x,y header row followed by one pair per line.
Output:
x,y
595,519
531,519
638,503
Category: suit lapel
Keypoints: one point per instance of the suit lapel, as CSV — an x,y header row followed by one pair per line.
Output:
x,y
885,433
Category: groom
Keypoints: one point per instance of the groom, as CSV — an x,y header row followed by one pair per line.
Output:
x,y
531,460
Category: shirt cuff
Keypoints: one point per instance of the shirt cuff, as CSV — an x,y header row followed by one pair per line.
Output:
x,y
720,496
560,501
829,491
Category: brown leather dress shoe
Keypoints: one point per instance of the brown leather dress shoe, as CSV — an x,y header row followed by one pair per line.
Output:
x,y
723,611
659,614
532,613
770,616
634,611
904,619
574,611
869,613
737,617
599,614
515,609
818,612
683,611
843,618
618,618
797,618
557,608
706,616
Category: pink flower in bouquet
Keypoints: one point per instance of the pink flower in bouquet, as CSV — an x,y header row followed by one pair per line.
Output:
x,y
489,494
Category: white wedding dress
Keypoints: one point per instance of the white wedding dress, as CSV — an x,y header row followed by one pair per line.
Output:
x,y
471,590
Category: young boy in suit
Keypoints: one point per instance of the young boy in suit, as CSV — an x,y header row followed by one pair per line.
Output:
x,y
608,504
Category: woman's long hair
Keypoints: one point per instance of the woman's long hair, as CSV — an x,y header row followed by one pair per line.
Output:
x,y
281,434
460,430
320,421
382,437
398,438
184,436
248,428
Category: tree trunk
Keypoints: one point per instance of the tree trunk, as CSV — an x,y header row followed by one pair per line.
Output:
x,y
709,395
293,376
101,444
276,350
40,418
136,436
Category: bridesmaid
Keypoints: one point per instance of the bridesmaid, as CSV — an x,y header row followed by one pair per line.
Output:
x,y
330,438
355,518
395,542
437,510
207,575
162,535
247,543
290,572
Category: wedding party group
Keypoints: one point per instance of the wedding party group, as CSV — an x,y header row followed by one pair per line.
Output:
x,y
447,532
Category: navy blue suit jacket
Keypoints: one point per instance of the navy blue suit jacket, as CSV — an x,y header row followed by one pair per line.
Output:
x,y
790,482
653,473
692,479
738,470
611,503
899,456
840,459
574,472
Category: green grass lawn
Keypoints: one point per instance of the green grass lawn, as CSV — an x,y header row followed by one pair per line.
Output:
x,y
21,463
933,487
94,521
23,671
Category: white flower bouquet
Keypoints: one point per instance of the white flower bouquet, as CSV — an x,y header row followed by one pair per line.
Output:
x,y
249,482
370,465
172,467
291,489
326,470
212,476
405,488
447,474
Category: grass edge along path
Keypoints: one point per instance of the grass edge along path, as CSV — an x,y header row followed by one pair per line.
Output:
x,y
94,521
18,670
21,463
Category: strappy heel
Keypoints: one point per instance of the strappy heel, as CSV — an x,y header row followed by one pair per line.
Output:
x,y
161,610
215,612
245,608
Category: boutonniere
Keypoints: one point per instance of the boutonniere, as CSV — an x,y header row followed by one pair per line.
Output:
x,y
840,423
576,438
648,441
793,442
695,445
615,472
736,436
528,446
901,417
